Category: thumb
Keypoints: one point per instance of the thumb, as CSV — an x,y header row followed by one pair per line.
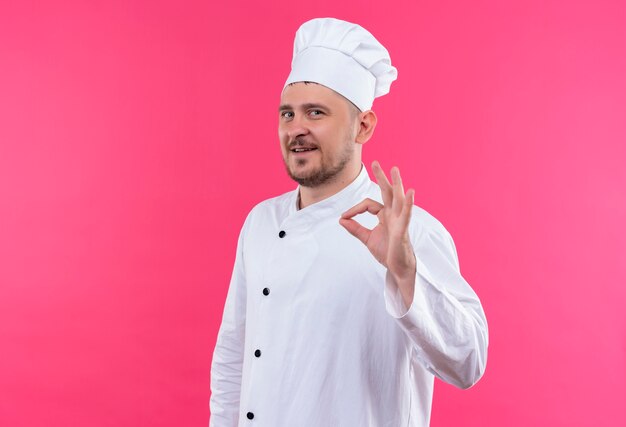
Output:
x,y
356,229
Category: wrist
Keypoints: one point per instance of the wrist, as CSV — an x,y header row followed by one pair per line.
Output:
x,y
404,270
404,278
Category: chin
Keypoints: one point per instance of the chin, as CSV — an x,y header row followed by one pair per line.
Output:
x,y
301,176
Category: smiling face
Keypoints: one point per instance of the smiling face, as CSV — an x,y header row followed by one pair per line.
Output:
x,y
317,130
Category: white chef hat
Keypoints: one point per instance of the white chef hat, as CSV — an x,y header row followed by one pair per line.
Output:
x,y
344,57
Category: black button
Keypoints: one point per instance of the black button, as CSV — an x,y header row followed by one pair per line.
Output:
x,y
266,291
250,415
281,234
257,353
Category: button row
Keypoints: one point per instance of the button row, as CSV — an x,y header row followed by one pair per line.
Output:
x,y
257,352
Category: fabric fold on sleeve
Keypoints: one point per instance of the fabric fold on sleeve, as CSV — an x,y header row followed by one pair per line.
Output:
x,y
445,323
226,368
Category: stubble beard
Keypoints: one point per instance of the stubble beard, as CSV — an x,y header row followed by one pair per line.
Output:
x,y
325,173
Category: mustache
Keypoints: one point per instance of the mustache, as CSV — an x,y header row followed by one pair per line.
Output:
x,y
300,142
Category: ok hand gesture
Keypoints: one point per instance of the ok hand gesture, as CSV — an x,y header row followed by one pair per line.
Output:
x,y
389,241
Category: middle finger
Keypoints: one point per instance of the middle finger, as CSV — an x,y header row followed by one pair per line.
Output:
x,y
383,183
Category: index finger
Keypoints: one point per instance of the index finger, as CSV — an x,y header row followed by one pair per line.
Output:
x,y
366,205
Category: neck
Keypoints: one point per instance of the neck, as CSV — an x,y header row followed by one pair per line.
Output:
x,y
311,195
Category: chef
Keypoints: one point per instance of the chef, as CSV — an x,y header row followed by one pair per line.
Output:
x,y
346,300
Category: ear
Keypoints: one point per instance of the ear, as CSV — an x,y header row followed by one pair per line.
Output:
x,y
367,123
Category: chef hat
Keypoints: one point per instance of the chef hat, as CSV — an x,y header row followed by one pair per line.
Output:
x,y
344,57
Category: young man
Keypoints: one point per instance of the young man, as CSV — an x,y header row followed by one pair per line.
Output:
x,y
333,318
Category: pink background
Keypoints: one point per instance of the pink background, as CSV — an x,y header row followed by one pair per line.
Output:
x,y
136,135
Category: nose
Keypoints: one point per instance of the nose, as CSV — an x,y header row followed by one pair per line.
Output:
x,y
295,127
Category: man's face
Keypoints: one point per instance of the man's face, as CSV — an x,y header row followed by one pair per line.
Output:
x,y
317,130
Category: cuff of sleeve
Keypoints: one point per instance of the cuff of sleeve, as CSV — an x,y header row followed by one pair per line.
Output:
x,y
393,298
394,302
416,318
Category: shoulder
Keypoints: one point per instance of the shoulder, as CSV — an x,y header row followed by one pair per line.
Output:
x,y
426,222
274,204
429,234
273,209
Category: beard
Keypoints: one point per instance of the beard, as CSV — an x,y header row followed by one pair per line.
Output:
x,y
326,172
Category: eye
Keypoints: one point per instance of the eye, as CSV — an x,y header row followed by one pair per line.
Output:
x,y
286,114
316,112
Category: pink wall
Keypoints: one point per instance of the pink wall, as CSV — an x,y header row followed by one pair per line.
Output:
x,y
136,135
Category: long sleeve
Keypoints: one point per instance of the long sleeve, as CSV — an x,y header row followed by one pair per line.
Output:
x,y
445,322
229,349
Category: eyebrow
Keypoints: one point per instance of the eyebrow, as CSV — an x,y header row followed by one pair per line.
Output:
x,y
306,106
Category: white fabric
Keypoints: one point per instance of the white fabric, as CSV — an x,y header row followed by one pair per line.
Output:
x,y
344,57
338,346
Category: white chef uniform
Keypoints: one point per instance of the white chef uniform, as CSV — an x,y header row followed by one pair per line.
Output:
x,y
314,333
